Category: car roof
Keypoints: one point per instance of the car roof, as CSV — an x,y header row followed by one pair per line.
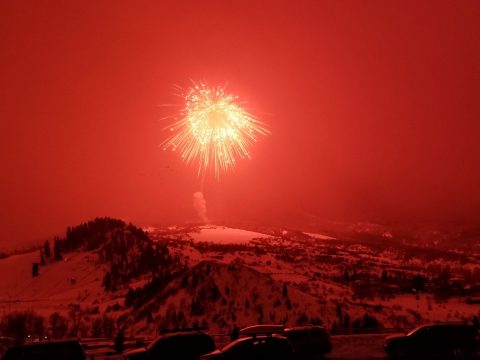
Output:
x,y
134,351
175,335
305,328
273,337
181,334
447,324
444,325
264,329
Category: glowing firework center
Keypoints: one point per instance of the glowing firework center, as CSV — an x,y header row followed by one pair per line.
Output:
x,y
213,130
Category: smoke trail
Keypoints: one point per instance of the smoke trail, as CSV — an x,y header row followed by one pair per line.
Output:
x,y
200,206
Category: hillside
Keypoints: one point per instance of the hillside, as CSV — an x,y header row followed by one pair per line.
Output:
x,y
218,295
75,279
107,276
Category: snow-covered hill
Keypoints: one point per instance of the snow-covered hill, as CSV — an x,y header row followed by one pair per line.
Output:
x,y
77,279
218,276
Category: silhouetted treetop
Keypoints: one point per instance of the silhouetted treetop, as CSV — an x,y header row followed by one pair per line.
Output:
x,y
92,234
126,249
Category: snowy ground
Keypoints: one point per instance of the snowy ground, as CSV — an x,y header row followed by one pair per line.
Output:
x,y
76,279
309,266
320,236
358,347
226,235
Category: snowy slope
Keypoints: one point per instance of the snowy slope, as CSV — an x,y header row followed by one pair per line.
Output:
x,y
320,236
311,265
76,279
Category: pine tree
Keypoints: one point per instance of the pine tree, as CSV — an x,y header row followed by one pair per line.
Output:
x,y
57,252
107,281
58,326
384,276
288,304
46,250
119,341
130,297
149,318
346,321
419,282
35,269
42,257
97,328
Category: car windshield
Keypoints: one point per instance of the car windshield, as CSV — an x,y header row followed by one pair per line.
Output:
x,y
298,335
234,344
417,330
230,345
151,345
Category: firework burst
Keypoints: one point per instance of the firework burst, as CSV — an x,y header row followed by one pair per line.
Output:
x,y
213,130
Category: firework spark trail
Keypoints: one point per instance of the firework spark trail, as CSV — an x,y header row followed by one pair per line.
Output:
x,y
213,129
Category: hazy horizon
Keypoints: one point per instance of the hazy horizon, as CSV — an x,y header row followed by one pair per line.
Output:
x,y
373,109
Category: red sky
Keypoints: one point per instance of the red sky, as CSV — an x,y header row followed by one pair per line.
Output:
x,y
374,110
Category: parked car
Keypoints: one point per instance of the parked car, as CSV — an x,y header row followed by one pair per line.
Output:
x,y
6,343
180,345
51,350
261,347
260,342
309,342
442,340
